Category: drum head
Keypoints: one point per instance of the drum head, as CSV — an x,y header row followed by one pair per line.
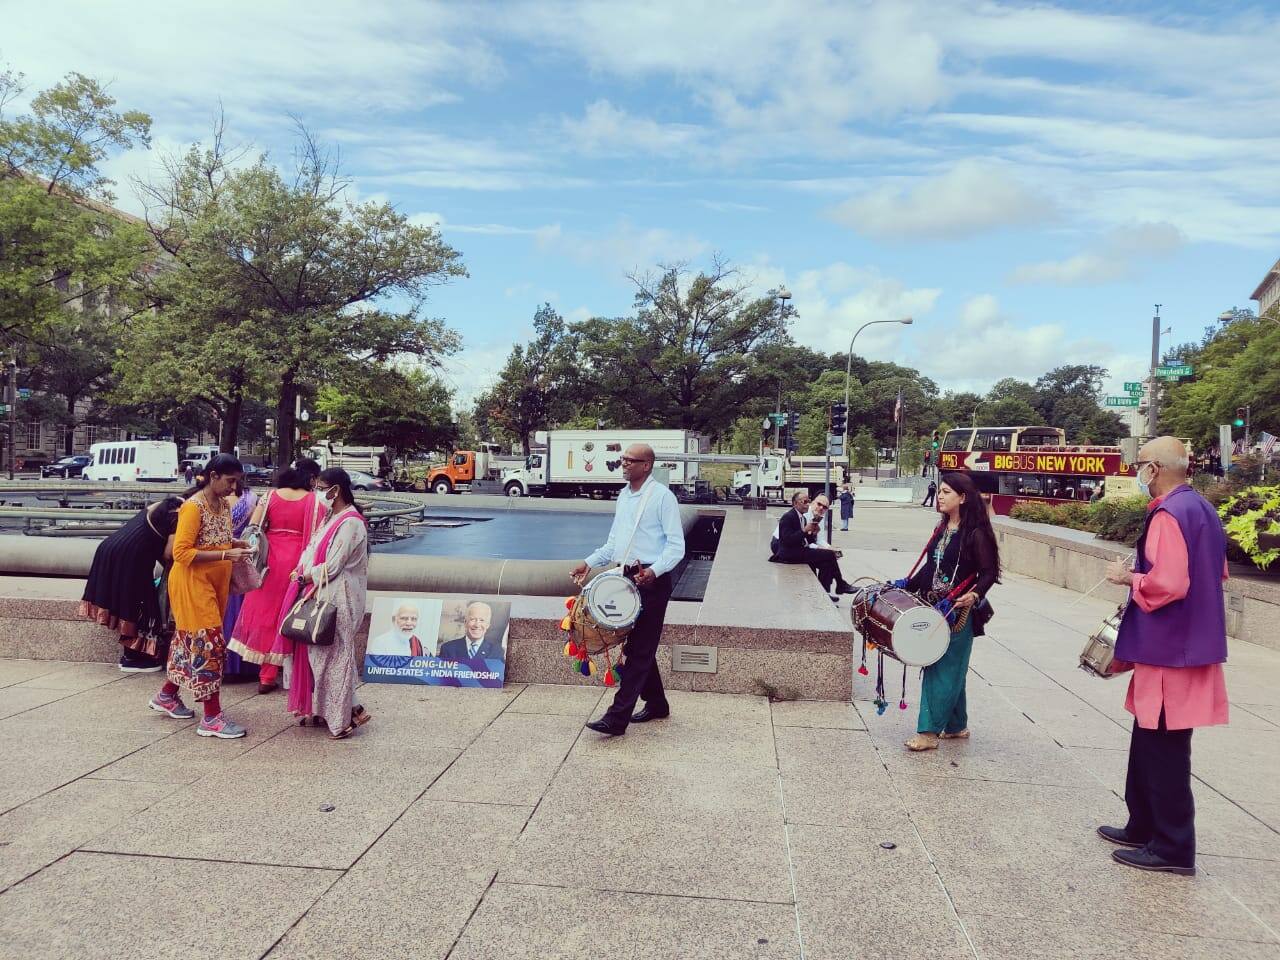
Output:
x,y
921,637
612,600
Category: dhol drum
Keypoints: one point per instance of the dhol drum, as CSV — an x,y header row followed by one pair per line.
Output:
x,y
605,611
1099,654
901,624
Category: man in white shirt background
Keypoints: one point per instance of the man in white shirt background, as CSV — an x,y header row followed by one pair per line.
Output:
x,y
657,548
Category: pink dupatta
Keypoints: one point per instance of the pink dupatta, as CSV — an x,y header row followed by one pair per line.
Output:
x,y
302,684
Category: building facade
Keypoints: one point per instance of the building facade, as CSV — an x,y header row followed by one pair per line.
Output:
x,y
1267,293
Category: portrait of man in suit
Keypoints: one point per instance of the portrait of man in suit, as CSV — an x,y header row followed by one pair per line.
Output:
x,y
474,644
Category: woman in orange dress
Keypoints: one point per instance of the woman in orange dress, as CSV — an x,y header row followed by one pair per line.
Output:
x,y
199,584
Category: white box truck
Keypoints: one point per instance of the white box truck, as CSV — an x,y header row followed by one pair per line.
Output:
x,y
573,462
371,460
779,473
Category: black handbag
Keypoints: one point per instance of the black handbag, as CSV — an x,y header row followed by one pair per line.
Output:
x,y
312,620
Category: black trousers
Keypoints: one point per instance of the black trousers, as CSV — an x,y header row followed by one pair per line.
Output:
x,y
823,563
640,676
1157,791
928,500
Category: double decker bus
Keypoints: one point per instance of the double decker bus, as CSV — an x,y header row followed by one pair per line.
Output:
x,y
1012,465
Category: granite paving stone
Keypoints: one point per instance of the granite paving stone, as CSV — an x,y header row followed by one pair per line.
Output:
x,y
557,699
511,762
15,700
822,714
85,906
521,922
16,671
1254,883
1016,938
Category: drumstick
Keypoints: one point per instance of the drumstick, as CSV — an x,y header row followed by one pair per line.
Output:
x,y
1127,561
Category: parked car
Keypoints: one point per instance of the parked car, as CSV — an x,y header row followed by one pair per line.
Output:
x,y
365,481
66,468
262,476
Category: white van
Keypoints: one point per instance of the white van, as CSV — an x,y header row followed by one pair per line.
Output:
x,y
135,460
199,454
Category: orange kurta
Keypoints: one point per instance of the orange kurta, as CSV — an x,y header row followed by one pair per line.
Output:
x,y
198,594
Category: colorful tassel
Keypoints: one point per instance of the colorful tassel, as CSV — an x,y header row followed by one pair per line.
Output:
x,y
568,602
609,679
568,649
566,623
902,704
863,670
584,667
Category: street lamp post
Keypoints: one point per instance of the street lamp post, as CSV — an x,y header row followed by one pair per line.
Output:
x,y
848,370
783,295
975,411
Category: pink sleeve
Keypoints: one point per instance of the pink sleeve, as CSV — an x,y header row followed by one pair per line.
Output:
x,y
1169,577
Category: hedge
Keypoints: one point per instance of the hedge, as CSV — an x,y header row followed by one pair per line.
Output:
x,y
1119,518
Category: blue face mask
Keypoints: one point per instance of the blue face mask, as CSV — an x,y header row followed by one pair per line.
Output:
x,y
1144,485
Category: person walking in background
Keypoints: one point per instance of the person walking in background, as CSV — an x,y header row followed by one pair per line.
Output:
x,y
121,591
199,583
931,495
335,562
1174,637
242,503
961,554
288,516
846,506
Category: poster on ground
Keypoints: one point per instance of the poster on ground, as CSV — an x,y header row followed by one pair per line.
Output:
x,y
416,638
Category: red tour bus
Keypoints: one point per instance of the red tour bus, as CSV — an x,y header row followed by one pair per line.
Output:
x,y
1035,465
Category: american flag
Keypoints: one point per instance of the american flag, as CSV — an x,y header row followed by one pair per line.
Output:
x,y
1268,444
897,407
1237,447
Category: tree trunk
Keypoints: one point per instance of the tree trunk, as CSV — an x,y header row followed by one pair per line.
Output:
x,y
69,445
285,420
231,422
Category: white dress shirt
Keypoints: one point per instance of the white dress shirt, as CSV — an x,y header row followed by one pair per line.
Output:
x,y
659,539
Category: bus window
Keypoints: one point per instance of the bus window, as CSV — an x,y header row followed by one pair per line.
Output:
x,y
1040,437
957,440
999,440
133,454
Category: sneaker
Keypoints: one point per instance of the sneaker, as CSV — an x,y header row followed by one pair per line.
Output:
x,y
220,727
132,662
171,707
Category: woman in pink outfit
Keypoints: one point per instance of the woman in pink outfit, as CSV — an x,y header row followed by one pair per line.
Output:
x,y
289,515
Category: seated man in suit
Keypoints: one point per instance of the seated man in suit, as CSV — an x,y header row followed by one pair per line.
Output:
x,y
793,542
472,645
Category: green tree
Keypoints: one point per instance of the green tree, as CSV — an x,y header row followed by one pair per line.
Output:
x,y
863,451
406,410
686,358
1007,412
745,436
1068,398
535,389
292,275
911,454
63,250
76,364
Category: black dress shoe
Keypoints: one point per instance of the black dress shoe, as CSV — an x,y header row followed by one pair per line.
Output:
x,y
847,588
648,713
1144,859
600,726
1117,835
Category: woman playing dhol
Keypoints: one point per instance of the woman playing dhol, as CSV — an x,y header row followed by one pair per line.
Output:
x,y
961,553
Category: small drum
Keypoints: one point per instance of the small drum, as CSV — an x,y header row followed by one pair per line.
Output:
x,y
1099,653
901,624
606,610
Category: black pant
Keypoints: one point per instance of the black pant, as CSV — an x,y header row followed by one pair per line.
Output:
x,y
823,563
1157,791
928,501
640,676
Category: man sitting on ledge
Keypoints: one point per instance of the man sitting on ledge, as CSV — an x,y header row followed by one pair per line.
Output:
x,y
793,542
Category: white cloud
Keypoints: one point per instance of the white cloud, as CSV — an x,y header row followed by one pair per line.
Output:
x,y
1117,257
625,246
607,129
969,198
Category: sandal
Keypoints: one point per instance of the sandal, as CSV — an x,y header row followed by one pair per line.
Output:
x,y
962,735
360,716
345,732
921,742
314,721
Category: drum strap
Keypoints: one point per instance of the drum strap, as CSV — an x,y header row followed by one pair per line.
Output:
x,y
626,554
925,552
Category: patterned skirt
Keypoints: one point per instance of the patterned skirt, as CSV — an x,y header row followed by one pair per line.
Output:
x,y
196,660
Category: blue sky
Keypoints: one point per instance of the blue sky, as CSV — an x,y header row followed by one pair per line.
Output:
x,y
1026,181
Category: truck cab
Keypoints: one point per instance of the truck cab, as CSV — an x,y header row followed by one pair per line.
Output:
x,y
527,480
459,472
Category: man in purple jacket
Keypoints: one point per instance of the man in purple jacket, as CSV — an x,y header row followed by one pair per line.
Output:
x,y
1174,637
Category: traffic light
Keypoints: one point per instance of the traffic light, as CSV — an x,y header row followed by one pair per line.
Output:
x,y
1239,421
793,422
936,443
838,419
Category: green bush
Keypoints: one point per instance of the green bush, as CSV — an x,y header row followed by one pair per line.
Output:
x,y
1119,519
1252,511
1034,512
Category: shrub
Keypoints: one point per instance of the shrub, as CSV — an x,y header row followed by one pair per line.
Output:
x,y
1119,519
1252,511
1034,512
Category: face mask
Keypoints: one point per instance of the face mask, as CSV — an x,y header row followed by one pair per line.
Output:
x,y
1145,485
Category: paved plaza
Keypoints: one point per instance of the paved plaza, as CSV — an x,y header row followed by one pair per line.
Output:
x,y
469,824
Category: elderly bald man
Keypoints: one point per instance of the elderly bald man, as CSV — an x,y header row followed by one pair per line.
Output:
x,y
647,538
1174,636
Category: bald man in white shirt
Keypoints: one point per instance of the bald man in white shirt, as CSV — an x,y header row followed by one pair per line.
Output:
x,y
656,550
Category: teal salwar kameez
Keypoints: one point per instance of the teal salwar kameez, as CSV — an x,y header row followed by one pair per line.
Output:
x,y
942,700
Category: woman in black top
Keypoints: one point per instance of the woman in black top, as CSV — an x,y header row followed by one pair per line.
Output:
x,y
962,554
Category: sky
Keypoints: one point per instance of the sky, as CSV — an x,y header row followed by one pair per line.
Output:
x,y
1026,181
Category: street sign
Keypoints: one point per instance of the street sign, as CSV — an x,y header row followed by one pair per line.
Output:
x,y
4,408
24,393
1122,401
779,418
835,445
1174,371
1133,386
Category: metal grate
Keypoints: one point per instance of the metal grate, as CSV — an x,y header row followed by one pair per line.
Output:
x,y
689,659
